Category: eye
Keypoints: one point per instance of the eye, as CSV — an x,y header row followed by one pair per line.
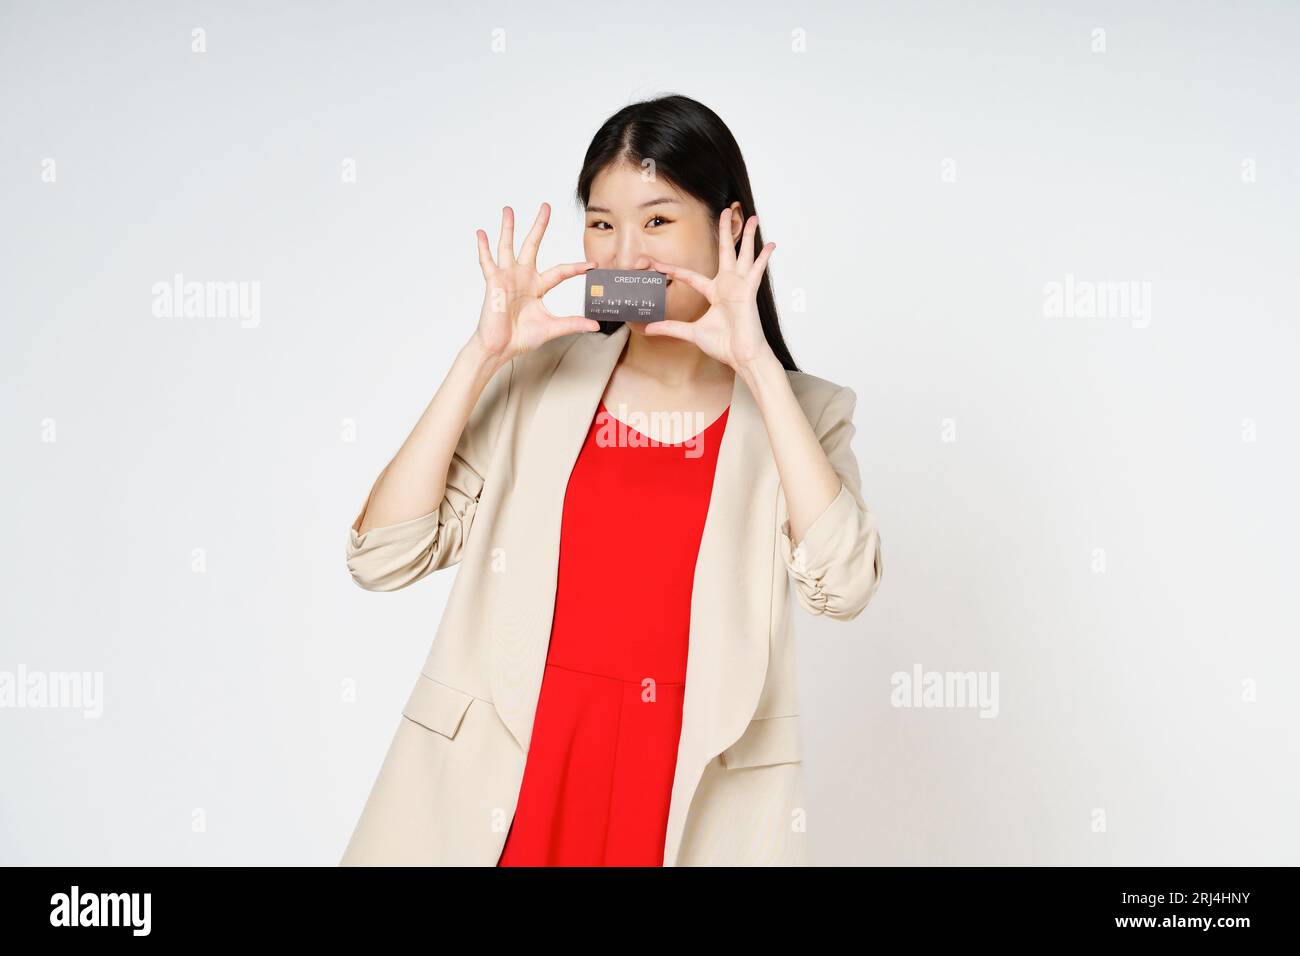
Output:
x,y
653,218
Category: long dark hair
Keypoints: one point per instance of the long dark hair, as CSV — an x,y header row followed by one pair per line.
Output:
x,y
692,148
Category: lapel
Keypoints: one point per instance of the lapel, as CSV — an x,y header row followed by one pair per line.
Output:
x,y
731,599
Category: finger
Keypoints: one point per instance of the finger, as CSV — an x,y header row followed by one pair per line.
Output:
x,y
760,264
568,324
726,245
485,255
746,257
701,284
528,254
672,328
506,245
557,274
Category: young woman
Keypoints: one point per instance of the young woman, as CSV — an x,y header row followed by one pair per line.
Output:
x,y
612,681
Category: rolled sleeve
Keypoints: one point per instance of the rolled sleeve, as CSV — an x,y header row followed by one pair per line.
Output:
x,y
397,555
838,565
391,557
394,556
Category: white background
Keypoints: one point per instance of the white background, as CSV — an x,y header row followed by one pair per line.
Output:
x,y
1124,696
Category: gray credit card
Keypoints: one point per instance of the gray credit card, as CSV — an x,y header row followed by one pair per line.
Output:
x,y
626,295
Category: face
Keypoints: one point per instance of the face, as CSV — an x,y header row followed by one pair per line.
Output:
x,y
631,218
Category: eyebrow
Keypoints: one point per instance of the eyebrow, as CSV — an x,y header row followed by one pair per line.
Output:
x,y
652,202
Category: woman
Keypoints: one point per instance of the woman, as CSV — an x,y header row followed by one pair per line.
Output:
x,y
612,681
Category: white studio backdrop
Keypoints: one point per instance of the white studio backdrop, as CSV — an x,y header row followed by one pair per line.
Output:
x,y
1052,248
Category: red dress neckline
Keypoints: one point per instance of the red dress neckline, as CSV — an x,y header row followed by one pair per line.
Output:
x,y
717,421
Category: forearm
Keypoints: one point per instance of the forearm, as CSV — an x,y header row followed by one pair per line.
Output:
x,y
809,481
414,481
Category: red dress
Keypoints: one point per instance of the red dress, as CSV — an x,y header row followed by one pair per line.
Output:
x,y
599,774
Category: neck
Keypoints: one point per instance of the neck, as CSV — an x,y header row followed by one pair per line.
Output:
x,y
671,362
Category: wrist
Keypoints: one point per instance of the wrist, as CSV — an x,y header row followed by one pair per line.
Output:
x,y
762,366
479,356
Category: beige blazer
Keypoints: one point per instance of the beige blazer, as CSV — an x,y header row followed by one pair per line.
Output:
x,y
447,789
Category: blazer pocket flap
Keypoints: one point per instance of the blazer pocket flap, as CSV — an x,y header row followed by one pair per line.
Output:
x,y
437,706
767,740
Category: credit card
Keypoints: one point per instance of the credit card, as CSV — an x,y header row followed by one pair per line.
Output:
x,y
626,295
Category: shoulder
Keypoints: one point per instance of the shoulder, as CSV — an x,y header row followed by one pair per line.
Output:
x,y
533,369
549,353
823,401
567,356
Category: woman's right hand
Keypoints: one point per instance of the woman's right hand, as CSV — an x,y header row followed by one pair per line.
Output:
x,y
514,319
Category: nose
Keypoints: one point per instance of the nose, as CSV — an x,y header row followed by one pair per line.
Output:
x,y
629,256
630,259
635,261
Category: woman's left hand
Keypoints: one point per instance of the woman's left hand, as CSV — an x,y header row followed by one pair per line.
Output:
x,y
730,331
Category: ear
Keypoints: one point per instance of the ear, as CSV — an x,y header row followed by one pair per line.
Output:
x,y
737,222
